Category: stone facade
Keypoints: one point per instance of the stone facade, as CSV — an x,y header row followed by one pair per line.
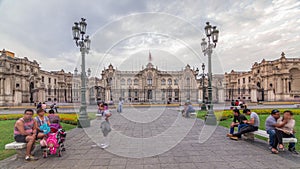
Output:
x,y
277,80
23,81
152,85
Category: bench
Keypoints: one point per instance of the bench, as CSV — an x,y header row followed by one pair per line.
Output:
x,y
19,147
264,134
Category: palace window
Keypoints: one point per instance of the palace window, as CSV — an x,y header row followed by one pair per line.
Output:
x,y
163,82
122,81
49,80
149,81
176,82
249,79
239,81
136,82
169,81
129,82
17,85
43,79
188,81
244,80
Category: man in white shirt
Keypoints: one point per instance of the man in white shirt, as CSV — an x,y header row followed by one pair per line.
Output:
x,y
253,125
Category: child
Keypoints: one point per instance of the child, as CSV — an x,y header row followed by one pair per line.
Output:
x,y
105,125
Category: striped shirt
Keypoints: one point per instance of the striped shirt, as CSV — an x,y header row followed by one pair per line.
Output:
x,y
28,126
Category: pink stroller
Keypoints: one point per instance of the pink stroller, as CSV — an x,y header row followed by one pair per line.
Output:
x,y
55,141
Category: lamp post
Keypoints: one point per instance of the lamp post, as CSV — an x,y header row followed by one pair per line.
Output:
x,y
79,30
207,48
203,106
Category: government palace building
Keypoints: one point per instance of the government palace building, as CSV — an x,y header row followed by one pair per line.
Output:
x,y
24,82
277,80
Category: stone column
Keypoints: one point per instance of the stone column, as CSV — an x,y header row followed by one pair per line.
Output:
x,y
1,89
254,95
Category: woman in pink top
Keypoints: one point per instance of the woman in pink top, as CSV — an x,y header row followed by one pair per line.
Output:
x,y
286,131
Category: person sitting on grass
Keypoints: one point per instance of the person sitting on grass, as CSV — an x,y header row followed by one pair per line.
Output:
x,y
253,125
238,121
271,123
286,131
25,132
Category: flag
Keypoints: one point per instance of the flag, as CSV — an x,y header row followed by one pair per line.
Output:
x,y
150,57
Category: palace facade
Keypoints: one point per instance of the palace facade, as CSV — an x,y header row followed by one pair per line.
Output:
x,y
277,80
23,81
155,86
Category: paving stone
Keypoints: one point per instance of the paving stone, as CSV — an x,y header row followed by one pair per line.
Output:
x,y
217,152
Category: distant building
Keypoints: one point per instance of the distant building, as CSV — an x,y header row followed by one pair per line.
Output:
x,y
156,86
23,82
277,80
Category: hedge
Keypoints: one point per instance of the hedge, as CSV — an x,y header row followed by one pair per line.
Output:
x,y
65,118
226,114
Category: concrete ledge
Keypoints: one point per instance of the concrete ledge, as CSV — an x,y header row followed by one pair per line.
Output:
x,y
15,145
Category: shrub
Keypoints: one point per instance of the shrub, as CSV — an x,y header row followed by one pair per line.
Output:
x,y
65,118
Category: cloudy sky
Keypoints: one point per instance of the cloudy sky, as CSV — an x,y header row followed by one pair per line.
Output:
x,y
123,32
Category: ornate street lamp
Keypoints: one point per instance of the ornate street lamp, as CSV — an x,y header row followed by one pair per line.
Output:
x,y
212,35
79,30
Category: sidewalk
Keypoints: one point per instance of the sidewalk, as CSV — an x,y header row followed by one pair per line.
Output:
x,y
217,152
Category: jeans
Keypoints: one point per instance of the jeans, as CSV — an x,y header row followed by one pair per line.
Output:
x,y
272,135
246,129
119,109
240,126
278,139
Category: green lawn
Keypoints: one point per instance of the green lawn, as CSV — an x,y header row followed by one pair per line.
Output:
x,y
262,117
6,136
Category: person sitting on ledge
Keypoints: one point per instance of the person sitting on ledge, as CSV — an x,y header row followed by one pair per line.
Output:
x,y
253,125
25,132
238,121
271,123
286,131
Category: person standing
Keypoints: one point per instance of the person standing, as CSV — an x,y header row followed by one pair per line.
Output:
x,y
105,125
271,123
25,132
253,125
238,121
120,105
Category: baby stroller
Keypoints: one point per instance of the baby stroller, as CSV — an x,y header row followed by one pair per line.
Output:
x,y
55,141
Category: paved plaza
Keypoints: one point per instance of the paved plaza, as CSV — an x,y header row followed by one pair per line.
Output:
x,y
154,138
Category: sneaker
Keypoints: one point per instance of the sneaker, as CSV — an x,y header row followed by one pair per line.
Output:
x,y
293,150
104,146
30,158
234,138
229,135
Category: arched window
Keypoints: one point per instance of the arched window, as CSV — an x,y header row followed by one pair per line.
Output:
x,y
136,82
122,81
163,82
169,81
188,82
176,82
129,82
149,79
